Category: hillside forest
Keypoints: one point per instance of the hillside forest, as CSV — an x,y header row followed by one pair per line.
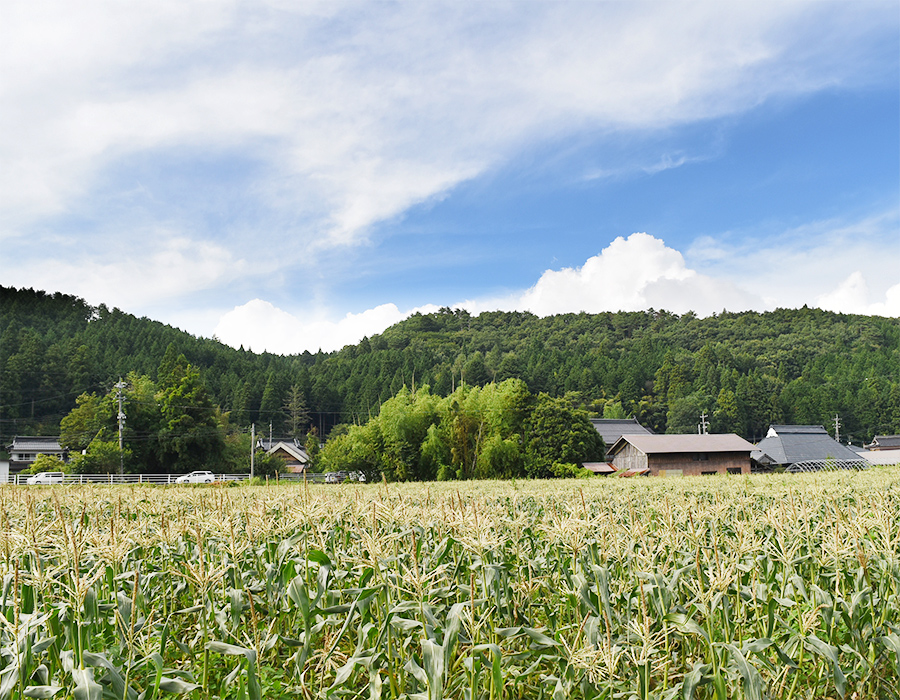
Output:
x,y
412,389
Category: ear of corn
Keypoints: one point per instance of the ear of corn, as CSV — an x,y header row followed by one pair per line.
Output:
x,y
763,587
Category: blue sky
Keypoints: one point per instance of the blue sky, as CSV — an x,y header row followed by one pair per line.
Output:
x,y
290,176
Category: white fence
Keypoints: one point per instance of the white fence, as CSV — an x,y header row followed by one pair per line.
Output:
x,y
110,479
21,479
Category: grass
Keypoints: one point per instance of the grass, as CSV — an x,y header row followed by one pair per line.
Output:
x,y
717,587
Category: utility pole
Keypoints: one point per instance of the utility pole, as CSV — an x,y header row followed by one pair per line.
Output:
x,y
837,427
252,447
703,428
119,386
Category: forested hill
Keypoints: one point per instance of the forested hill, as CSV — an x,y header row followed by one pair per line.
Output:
x,y
745,370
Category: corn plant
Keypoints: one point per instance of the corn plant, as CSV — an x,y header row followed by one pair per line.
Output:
x,y
751,587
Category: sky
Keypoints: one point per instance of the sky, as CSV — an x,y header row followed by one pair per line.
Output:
x,y
290,176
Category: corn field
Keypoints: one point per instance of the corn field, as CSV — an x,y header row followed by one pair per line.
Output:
x,y
716,587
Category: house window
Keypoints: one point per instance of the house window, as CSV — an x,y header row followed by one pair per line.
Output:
x,y
701,457
711,473
734,470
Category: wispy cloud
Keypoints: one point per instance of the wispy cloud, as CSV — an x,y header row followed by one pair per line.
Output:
x,y
162,270
818,263
400,104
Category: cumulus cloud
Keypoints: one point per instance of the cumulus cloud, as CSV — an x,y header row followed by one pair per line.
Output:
x,y
632,273
853,296
259,325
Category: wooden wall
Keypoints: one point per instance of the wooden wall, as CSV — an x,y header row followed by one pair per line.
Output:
x,y
718,462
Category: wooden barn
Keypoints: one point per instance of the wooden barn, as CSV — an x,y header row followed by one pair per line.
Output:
x,y
681,455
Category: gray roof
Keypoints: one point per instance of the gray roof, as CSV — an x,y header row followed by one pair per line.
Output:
x,y
298,453
611,429
796,429
885,442
787,444
266,444
668,444
22,443
882,457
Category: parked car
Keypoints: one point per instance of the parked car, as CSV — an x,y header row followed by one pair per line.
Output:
x,y
197,477
46,478
341,477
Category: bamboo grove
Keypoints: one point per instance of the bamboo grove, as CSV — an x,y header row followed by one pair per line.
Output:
x,y
722,587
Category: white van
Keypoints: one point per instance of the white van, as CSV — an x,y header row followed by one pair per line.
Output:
x,y
46,478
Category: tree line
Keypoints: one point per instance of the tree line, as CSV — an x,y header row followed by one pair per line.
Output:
x,y
492,432
745,370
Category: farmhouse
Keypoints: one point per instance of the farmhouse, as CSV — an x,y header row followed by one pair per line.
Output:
x,y
681,455
24,450
803,448
884,442
288,449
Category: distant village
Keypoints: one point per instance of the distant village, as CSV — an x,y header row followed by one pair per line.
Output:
x,y
631,450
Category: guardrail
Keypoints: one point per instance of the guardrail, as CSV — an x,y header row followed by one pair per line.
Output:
x,y
302,478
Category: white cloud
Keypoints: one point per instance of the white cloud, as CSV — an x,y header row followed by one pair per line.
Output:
x,y
845,266
165,268
631,274
356,112
362,111
258,325
852,296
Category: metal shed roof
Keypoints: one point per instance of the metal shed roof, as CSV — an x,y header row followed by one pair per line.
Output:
x,y
668,444
599,467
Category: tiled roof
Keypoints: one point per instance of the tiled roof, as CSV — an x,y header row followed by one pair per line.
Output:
x,y
886,442
796,429
787,444
35,444
611,429
882,457
266,443
297,453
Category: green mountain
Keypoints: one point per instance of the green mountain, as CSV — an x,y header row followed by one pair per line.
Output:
x,y
744,370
